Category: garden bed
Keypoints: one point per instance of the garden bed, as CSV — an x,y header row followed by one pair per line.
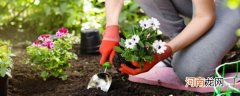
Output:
x,y
25,81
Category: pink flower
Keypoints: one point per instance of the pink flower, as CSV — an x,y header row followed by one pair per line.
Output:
x,y
35,43
39,45
45,43
62,32
59,34
50,45
45,37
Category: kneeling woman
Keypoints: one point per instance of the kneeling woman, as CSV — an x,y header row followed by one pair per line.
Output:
x,y
196,48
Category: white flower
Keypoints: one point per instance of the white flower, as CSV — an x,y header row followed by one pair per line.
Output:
x,y
129,43
159,32
87,6
154,23
159,46
135,38
89,25
127,2
145,24
36,2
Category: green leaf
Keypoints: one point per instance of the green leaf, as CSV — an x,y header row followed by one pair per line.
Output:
x,y
148,58
118,49
64,77
133,7
142,65
134,58
3,72
140,43
44,74
148,44
121,43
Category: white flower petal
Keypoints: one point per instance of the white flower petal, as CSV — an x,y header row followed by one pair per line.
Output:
x,y
135,38
144,24
129,43
160,51
159,46
154,23
159,32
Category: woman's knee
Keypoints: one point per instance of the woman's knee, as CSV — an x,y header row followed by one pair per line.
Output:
x,y
194,64
193,71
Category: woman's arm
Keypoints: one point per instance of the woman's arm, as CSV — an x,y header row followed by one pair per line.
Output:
x,y
202,21
113,8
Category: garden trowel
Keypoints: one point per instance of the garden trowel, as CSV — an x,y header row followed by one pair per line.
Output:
x,y
101,80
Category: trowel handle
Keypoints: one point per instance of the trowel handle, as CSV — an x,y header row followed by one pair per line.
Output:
x,y
106,65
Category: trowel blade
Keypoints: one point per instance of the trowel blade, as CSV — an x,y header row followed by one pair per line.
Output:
x,y
100,80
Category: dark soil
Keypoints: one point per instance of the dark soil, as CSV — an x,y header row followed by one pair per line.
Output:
x,y
25,81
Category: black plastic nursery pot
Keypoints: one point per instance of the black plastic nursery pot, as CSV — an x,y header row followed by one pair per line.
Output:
x,y
90,42
118,60
3,86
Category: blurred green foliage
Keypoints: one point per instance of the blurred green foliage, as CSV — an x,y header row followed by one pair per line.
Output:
x,y
41,15
130,15
233,4
44,16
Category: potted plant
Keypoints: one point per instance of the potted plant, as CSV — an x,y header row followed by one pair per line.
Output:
x,y
90,41
51,54
140,44
6,64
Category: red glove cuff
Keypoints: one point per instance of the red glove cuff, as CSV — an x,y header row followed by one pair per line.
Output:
x,y
167,53
112,33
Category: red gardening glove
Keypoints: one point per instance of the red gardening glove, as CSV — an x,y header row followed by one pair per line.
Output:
x,y
148,65
110,40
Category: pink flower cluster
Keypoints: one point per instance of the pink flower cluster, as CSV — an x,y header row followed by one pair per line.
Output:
x,y
44,40
45,37
62,32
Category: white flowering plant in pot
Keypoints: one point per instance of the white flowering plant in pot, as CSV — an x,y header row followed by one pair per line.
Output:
x,y
142,42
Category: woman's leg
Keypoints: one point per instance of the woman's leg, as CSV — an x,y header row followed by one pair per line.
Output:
x,y
165,12
202,57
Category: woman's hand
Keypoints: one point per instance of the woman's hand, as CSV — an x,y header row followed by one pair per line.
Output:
x,y
110,40
111,35
201,22
148,65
